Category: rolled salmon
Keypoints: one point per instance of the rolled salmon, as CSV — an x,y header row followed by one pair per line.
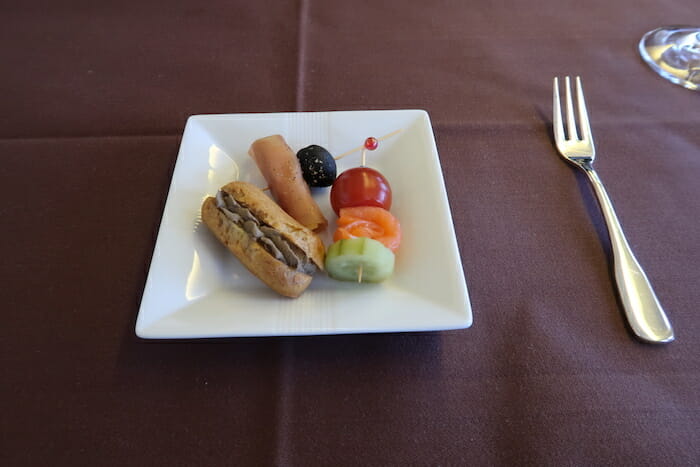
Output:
x,y
280,167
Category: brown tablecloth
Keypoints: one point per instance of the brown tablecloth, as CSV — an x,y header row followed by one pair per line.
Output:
x,y
95,97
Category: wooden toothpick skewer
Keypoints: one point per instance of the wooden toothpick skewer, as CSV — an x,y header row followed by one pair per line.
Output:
x,y
387,136
359,274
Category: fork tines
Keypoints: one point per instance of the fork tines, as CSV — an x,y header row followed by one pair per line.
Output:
x,y
571,133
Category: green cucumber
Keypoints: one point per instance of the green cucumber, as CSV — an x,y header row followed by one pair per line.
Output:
x,y
359,260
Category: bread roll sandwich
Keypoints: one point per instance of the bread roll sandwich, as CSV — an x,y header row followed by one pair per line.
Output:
x,y
269,242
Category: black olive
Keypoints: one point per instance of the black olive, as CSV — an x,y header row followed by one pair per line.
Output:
x,y
317,165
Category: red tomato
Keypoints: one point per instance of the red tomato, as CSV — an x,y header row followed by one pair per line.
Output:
x,y
360,186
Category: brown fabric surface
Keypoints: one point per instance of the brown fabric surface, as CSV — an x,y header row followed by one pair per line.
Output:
x,y
96,96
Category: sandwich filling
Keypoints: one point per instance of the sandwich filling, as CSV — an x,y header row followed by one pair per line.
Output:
x,y
268,237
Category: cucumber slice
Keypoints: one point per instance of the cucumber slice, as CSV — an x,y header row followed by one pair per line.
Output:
x,y
345,257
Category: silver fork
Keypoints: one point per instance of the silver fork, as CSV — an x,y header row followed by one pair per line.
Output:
x,y
643,310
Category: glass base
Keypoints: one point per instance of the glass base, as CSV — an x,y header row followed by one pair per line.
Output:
x,y
674,53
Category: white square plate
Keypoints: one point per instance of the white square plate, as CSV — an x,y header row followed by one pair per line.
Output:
x,y
195,288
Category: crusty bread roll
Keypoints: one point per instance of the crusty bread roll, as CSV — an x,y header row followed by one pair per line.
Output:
x,y
278,275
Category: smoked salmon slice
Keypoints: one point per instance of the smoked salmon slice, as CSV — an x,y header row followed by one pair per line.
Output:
x,y
280,167
371,222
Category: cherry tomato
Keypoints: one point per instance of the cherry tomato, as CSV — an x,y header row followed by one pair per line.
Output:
x,y
360,186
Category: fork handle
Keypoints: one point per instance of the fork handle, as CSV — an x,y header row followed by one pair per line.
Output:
x,y
642,309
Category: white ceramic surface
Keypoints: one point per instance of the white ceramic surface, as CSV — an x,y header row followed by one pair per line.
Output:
x,y
196,289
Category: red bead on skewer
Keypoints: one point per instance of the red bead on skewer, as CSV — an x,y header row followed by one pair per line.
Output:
x,y
371,143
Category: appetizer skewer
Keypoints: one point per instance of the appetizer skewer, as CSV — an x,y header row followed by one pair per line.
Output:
x,y
367,234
